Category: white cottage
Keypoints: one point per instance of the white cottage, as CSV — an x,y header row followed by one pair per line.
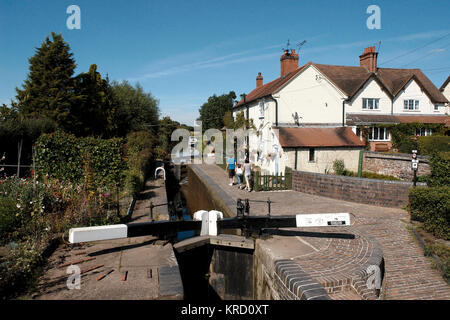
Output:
x,y
333,100
445,89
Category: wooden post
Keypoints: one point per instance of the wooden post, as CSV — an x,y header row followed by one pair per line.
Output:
x,y
257,181
19,153
34,169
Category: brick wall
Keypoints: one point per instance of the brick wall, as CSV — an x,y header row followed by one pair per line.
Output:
x,y
397,165
369,191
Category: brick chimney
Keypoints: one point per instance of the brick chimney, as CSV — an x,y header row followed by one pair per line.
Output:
x,y
259,80
289,62
369,59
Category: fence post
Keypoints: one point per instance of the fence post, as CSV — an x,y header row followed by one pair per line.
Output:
x,y
256,182
360,163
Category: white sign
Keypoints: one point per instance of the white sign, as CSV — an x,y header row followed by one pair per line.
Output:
x,y
323,220
415,164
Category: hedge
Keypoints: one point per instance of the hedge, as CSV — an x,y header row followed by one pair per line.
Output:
x,y
432,207
440,169
431,144
65,157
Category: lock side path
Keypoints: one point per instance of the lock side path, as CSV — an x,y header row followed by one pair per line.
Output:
x,y
408,273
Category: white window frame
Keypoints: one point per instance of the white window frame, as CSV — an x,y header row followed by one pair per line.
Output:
x,y
411,105
374,134
423,132
261,109
436,107
374,101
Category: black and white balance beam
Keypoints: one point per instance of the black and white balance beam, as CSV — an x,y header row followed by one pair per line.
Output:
x,y
209,223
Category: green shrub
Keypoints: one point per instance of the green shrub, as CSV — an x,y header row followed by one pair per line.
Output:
x,y
339,167
9,220
431,144
440,169
372,175
431,205
406,145
63,156
19,267
134,182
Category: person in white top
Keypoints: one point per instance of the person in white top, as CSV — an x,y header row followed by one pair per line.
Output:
x,y
239,172
247,173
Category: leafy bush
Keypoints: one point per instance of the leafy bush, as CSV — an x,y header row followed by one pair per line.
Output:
x,y
19,267
63,156
8,217
339,167
134,182
372,175
139,150
406,145
431,206
403,133
440,169
431,144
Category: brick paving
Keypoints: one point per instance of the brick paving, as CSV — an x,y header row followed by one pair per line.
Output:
x,y
408,273
133,256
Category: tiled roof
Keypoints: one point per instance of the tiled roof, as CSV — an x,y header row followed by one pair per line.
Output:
x,y
445,84
351,79
268,88
317,137
361,119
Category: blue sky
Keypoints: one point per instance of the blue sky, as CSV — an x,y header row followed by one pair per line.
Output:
x,y
185,51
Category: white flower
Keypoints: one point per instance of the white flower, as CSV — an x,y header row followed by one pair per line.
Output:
x,y
18,206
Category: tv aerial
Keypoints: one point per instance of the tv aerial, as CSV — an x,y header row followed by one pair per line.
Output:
x,y
300,45
287,46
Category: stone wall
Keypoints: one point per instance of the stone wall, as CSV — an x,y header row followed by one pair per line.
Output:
x,y
397,165
369,191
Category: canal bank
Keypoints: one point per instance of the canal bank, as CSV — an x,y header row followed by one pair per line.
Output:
x,y
379,232
141,268
291,264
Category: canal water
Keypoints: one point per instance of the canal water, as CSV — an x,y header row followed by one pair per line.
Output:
x,y
194,264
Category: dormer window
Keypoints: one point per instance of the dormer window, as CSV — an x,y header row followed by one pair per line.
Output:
x,y
410,104
371,103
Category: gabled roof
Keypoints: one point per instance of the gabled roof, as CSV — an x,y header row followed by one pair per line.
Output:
x,y
444,85
317,137
351,79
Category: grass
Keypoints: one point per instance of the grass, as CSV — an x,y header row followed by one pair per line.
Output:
x,y
435,248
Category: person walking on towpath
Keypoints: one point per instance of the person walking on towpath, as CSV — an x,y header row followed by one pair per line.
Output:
x,y
247,174
239,175
231,165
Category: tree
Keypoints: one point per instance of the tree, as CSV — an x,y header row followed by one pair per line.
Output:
x,y
239,123
213,111
135,110
93,113
48,90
